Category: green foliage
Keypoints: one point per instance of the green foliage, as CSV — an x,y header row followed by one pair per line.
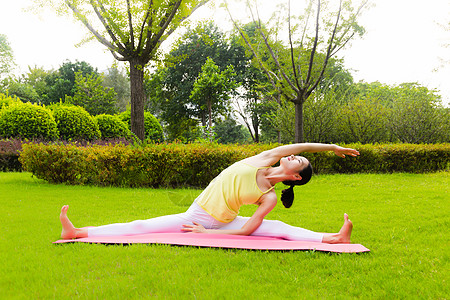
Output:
x,y
65,84
6,56
170,87
211,90
48,86
368,113
296,70
132,31
228,132
152,165
118,80
363,121
90,94
197,164
385,158
26,120
75,123
20,89
418,115
6,100
153,129
112,127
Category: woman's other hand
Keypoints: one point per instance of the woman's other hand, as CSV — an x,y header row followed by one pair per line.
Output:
x,y
197,228
342,152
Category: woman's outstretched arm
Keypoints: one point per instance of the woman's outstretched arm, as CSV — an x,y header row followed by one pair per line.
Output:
x,y
270,157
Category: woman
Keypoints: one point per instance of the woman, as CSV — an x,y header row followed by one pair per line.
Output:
x,y
249,181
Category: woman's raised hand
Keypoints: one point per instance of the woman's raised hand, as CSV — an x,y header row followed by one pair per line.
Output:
x,y
197,228
342,152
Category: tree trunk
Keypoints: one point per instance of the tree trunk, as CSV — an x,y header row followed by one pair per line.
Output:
x,y
299,135
210,113
255,123
137,98
203,118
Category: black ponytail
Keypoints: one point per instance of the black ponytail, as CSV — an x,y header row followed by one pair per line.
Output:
x,y
287,195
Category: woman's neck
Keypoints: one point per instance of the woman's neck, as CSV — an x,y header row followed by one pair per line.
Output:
x,y
275,175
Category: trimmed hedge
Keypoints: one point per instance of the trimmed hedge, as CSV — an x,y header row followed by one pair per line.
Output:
x,y
75,123
197,164
112,127
385,158
26,120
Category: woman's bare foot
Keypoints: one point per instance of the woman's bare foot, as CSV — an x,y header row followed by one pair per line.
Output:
x,y
346,230
68,230
343,236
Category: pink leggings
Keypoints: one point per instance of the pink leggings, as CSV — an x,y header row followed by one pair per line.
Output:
x,y
174,223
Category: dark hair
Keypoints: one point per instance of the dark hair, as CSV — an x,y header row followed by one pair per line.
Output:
x,y
287,195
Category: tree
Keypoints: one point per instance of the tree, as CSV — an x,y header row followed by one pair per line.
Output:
x,y
6,56
363,121
228,132
182,67
297,70
116,79
211,90
418,116
133,32
19,88
67,78
90,94
253,102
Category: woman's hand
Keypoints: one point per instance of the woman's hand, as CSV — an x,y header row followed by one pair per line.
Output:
x,y
197,228
340,151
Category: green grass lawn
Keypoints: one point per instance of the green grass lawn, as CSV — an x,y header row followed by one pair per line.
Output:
x,y
402,218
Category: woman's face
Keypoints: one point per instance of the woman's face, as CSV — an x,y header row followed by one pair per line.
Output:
x,y
294,164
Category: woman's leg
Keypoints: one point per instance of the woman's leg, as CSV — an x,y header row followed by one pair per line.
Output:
x,y
273,228
169,223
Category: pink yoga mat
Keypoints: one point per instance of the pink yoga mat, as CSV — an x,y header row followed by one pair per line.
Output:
x,y
221,241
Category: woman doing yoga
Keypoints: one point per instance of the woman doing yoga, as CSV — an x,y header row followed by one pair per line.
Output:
x,y
249,181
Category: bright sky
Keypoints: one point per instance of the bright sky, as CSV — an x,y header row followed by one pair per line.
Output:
x,y
403,41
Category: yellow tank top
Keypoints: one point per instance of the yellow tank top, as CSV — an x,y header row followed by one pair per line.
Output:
x,y
232,188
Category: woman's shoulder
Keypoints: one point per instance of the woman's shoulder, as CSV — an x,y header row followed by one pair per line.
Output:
x,y
257,161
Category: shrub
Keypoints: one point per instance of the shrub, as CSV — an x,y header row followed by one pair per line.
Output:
x,y
112,127
75,123
7,100
196,165
26,120
153,130
9,155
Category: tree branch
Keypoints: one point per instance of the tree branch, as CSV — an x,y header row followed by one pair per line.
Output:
x,y
170,31
83,19
124,58
251,49
141,34
292,47
105,24
301,42
328,55
130,24
274,56
313,51
163,24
